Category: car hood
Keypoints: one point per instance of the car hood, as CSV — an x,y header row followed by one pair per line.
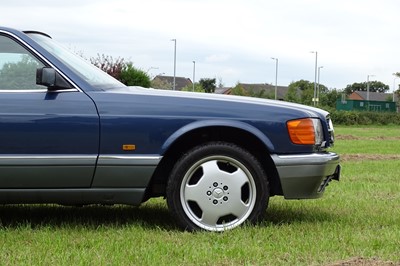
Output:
x,y
312,111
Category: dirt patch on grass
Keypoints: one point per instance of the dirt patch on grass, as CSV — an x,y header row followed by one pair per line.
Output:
x,y
352,137
363,157
359,261
347,137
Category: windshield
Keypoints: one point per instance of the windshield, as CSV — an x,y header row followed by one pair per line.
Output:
x,y
91,74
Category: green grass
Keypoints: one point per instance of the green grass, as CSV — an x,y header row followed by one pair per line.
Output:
x,y
369,131
368,147
368,140
357,217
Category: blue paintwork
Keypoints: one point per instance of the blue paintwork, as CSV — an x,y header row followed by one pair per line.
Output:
x,y
153,119
48,123
96,122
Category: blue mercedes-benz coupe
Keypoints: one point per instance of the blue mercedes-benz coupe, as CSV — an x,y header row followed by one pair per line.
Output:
x,y
71,134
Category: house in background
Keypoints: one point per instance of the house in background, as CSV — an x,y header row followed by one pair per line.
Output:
x,y
378,102
167,82
373,96
223,90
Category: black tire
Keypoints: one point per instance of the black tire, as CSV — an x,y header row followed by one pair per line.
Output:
x,y
217,186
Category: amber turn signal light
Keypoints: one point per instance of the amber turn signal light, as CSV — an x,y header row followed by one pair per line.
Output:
x,y
128,147
301,131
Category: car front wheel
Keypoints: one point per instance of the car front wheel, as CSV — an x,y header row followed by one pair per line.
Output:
x,y
217,186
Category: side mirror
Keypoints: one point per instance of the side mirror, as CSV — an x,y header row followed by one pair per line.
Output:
x,y
48,77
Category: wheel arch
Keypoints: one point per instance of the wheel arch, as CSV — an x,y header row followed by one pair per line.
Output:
x,y
198,125
198,133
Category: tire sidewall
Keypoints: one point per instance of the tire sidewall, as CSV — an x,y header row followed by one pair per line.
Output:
x,y
198,153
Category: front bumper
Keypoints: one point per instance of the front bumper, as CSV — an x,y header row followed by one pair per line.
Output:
x,y
305,176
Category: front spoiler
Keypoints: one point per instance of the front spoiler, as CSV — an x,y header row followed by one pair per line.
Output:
x,y
305,176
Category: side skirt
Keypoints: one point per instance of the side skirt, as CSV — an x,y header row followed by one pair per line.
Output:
x,y
130,196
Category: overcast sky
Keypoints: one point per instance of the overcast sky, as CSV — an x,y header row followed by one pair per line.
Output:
x,y
230,40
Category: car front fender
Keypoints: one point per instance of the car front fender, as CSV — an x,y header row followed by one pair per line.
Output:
x,y
217,123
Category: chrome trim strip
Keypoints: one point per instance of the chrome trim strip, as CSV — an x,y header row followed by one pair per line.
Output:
x,y
43,58
57,159
128,160
39,91
305,159
312,155
34,159
18,91
50,156
130,157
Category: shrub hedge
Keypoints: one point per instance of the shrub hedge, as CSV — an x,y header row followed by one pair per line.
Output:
x,y
364,118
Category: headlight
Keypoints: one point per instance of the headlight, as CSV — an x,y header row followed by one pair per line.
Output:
x,y
306,131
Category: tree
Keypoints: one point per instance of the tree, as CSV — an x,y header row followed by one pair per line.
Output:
x,y
132,76
307,96
302,85
374,86
397,92
292,95
197,87
329,97
239,90
306,88
109,65
307,91
208,85
124,72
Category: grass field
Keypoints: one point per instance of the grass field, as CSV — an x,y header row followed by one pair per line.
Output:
x,y
356,222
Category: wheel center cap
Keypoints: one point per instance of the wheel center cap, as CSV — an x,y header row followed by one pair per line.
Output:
x,y
218,193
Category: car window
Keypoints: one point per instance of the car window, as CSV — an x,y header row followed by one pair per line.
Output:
x,y
17,67
97,78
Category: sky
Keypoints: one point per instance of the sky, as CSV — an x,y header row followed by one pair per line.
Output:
x,y
230,40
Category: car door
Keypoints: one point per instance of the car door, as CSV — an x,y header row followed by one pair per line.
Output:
x,y
48,139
